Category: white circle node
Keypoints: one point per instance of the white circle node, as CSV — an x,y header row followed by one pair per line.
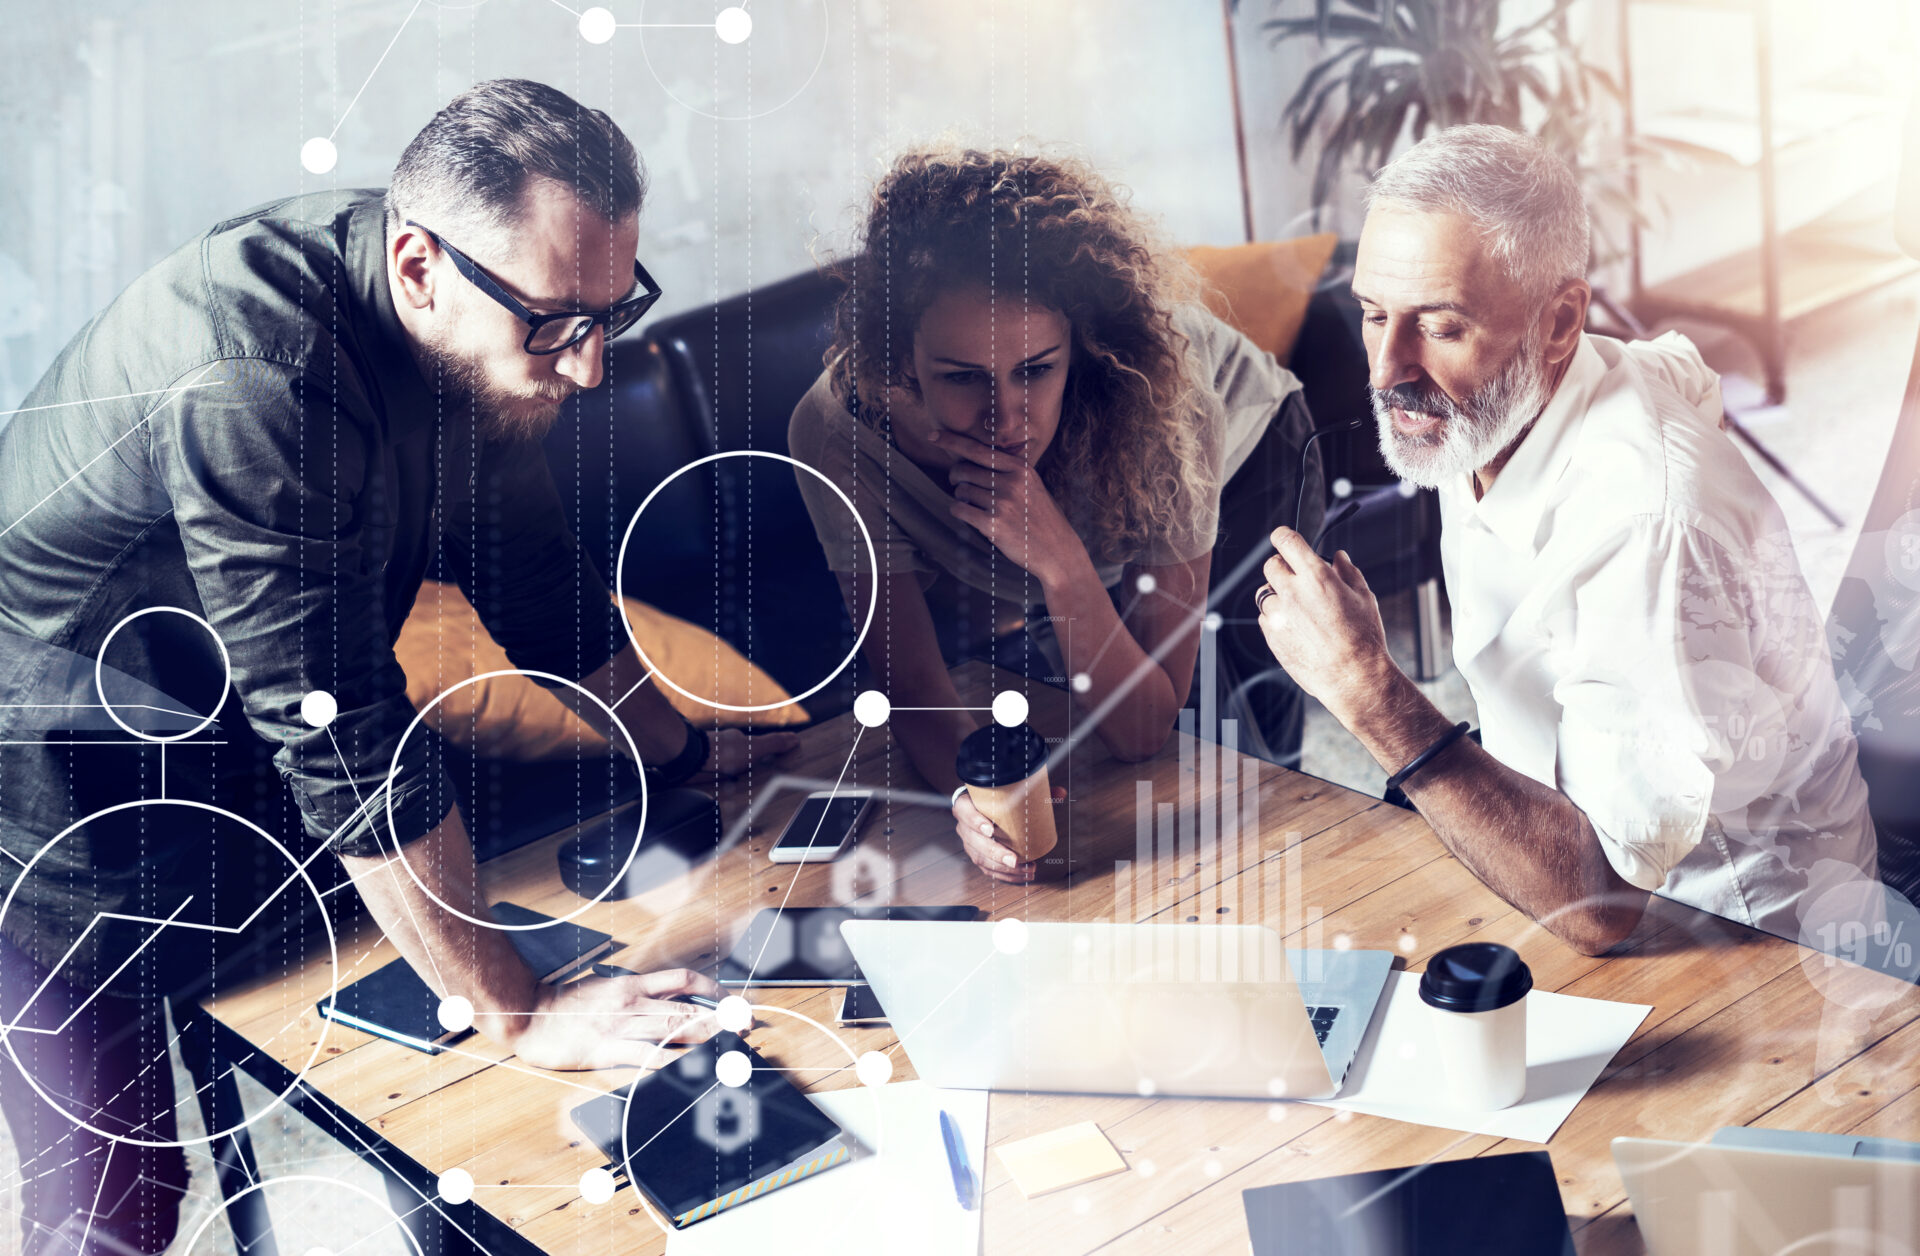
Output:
x,y
1276,1112
1009,708
1408,488
733,1069
1082,682
9,1041
318,708
874,1068
1277,1087
1407,943
872,708
1010,936
1343,487
1341,942
456,1014
596,25
1146,1088
1146,1168
1212,622
1146,584
100,667
733,25
735,1014
552,682
596,1186
800,468
319,155
456,1186
1082,1205
1211,1168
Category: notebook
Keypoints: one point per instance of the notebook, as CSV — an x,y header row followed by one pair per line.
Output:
x,y
695,1147
392,1002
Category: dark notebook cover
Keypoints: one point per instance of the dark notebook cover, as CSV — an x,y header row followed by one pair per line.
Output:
x,y
695,1147
1482,1206
394,1003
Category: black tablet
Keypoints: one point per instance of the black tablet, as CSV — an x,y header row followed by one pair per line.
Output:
x,y
802,946
1505,1205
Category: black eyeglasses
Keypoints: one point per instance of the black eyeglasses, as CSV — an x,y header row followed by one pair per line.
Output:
x,y
551,333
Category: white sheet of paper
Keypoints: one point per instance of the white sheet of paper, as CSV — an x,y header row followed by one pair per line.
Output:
x,y
868,1206
1398,1072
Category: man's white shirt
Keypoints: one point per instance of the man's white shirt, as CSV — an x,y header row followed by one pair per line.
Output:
x,y
1633,624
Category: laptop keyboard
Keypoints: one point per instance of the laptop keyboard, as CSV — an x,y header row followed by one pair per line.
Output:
x,y
1322,1018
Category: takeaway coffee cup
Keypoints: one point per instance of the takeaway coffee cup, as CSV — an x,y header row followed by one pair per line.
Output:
x,y
1477,996
1005,771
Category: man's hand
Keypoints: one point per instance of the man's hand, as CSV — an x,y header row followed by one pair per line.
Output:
x,y
613,1022
987,846
1005,499
1323,625
733,751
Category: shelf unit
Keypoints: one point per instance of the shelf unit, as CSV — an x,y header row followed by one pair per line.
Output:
x,y
1792,272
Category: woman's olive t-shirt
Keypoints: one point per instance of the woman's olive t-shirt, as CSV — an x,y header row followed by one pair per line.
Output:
x,y
907,512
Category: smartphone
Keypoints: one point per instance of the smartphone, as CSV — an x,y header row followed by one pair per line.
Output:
x,y
823,827
859,1007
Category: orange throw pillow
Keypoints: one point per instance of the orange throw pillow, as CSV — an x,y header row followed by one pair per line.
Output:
x,y
1262,289
443,643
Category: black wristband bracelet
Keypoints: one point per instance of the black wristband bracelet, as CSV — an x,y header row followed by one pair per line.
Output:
x,y
692,757
1426,756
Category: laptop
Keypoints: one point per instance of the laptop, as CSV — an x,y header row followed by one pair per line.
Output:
x,y
1218,1011
1755,1192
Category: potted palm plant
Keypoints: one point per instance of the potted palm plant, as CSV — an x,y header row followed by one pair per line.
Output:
x,y
1395,68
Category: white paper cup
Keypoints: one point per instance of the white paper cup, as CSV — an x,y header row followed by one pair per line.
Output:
x,y
1476,994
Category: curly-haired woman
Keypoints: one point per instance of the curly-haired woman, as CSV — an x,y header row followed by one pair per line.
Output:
x,y
1029,409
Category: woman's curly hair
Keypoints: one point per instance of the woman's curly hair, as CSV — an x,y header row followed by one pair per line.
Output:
x,y
1131,455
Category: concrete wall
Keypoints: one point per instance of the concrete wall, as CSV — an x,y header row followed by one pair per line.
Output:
x,y
127,127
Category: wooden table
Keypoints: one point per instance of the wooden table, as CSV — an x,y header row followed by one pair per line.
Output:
x,y
1742,1031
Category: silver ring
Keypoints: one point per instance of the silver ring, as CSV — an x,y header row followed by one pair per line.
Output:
x,y
1260,596
955,800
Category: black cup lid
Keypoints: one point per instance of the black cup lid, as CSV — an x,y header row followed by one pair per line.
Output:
x,y
1475,977
998,755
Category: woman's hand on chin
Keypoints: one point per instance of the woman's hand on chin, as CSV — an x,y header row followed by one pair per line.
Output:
x,y
1002,496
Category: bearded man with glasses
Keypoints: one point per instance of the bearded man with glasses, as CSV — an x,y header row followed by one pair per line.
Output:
x,y
279,429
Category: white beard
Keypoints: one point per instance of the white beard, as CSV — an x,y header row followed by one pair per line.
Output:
x,y
1470,433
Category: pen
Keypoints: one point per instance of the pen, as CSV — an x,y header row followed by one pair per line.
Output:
x,y
957,1161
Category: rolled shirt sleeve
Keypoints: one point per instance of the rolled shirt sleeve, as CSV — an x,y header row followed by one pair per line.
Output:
x,y
1665,717
284,499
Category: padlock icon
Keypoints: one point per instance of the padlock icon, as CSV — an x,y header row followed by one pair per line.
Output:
x,y
726,1119
863,877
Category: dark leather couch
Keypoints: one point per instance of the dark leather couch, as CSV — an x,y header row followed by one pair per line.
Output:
x,y
730,545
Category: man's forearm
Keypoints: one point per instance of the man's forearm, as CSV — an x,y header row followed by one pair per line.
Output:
x,y
657,730
453,955
1526,841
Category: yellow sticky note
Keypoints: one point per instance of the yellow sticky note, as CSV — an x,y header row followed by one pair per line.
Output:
x,y
1061,1158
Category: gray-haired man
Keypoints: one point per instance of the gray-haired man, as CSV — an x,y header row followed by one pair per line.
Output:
x,y
277,430
1658,707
